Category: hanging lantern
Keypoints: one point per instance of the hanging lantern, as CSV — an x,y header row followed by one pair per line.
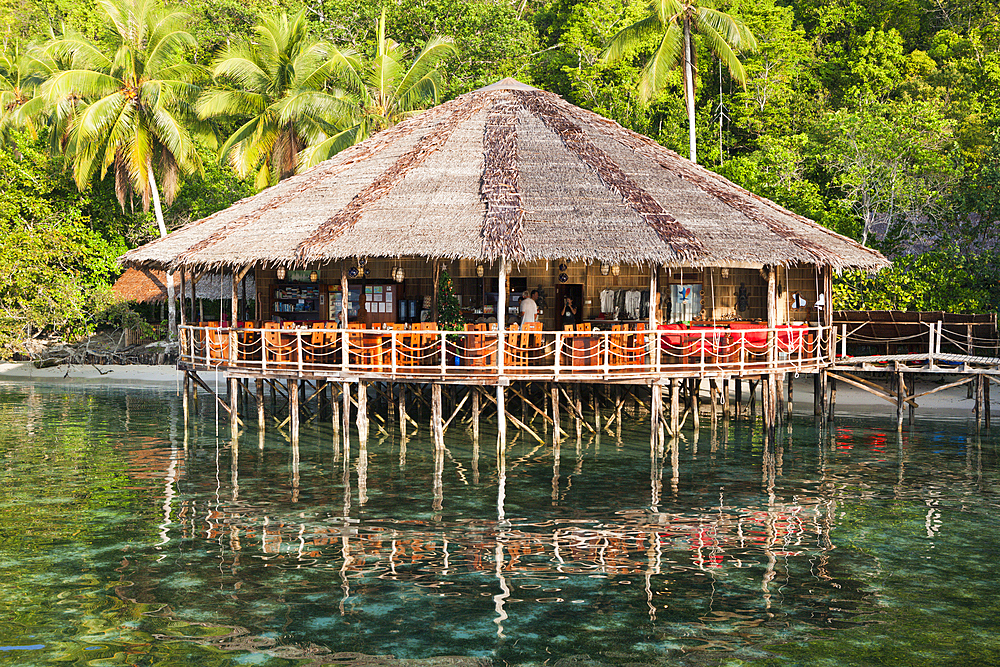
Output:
x,y
313,275
616,270
480,270
281,273
605,268
399,275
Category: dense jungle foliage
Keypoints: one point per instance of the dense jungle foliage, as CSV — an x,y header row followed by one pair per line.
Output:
x,y
877,118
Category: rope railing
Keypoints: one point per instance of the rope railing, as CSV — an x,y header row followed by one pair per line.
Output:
x,y
400,352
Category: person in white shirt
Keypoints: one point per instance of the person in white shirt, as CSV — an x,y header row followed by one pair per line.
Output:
x,y
528,308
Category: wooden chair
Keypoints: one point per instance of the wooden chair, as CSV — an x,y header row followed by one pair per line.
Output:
x,y
532,343
218,342
753,343
403,357
424,344
313,344
274,351
637,350
513,355
617,345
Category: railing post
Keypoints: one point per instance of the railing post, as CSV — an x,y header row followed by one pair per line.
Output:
x,y
558,361
298,347
444,355
343,349
939,336
263,349
232,345
208,347
743,352
501,344
392,350
843,341
607,353
701,344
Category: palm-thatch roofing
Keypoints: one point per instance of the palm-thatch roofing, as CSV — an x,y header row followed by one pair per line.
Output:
x,y
507,171
150,286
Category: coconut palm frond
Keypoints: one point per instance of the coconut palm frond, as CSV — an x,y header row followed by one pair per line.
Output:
x,y
629,37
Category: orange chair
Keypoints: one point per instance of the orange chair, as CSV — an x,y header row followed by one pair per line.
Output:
x,y
637,350
425,344
218,342
274,349
313,343
532,343
617,343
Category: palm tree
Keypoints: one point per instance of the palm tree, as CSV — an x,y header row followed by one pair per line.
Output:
x,y
675,22
279,82
21,73
133,107
383,90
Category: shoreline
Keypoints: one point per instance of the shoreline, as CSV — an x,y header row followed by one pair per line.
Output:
x,y
953,401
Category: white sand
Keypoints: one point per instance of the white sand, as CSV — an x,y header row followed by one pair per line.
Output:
x,y
89,373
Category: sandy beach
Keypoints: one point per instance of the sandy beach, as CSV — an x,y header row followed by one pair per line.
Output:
x,y
134,375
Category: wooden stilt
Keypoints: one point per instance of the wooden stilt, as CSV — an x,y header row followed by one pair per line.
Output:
x,y
739,396
726,407
578,403
817,395
823,383
437,421
779,401
769,390
501,418
293,409
986,403
789,378
362,411
713,398
401,399
556,427
345,416
900,398
259,395
184,400
655,417
234,403
979,401
675,407
694,389
334,410
831,385
475,415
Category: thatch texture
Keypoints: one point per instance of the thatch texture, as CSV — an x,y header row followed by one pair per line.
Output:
x,y
507,171
150,286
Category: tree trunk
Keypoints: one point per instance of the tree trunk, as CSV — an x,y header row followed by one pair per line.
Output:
x,y
689,88
171,305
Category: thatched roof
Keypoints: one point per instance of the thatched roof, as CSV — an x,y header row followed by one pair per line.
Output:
x,y
506,171
150,286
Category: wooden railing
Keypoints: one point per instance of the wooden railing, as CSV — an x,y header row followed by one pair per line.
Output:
x,y
431,353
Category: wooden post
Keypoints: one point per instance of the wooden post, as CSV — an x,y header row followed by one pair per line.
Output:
x,y
362,411
833,398
675,407
913,389
817,405
986,402
293,408
401,399
779,401
183,273
789,377
771,406
184,400
654,415
345,399
434,290
979,401
234,403
726,408
556,426
334,410
578,401
475,414
501,418
823,383
501,316
739,396
259,391
900,395
344,353
437,420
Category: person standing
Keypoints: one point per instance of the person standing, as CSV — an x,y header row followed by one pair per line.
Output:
x,y
568,313
528,308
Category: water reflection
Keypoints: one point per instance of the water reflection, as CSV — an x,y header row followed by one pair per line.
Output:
x,y
513,554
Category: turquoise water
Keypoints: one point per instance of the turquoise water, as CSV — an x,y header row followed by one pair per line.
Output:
x,y
125,539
